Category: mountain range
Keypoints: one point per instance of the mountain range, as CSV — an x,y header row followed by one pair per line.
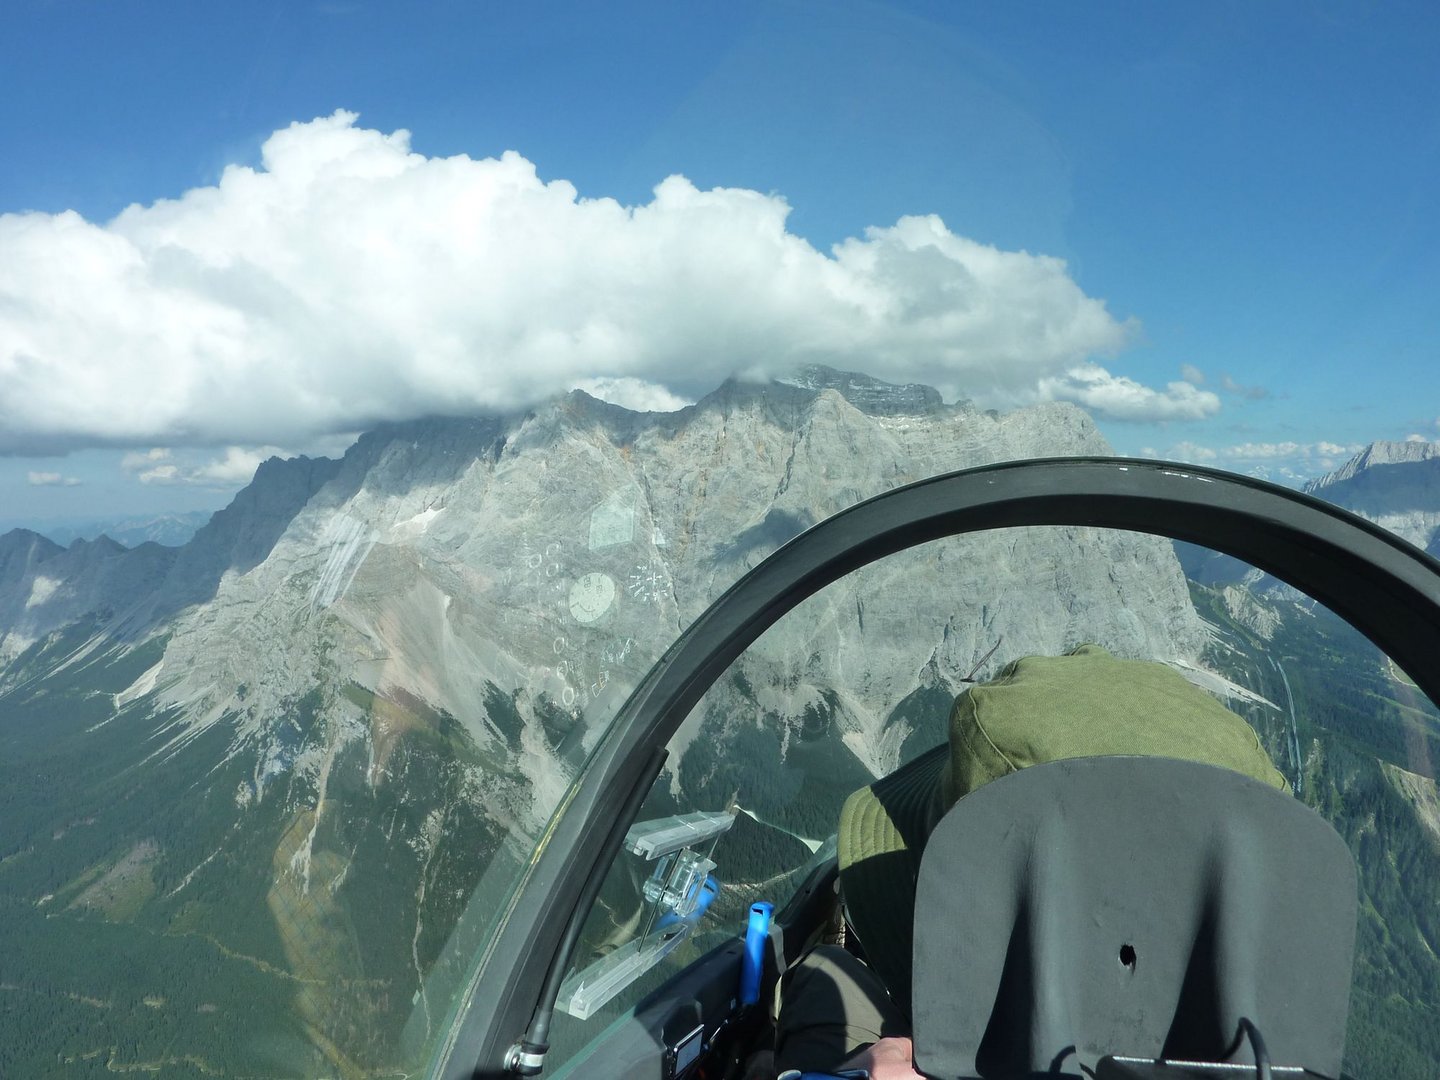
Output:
x,y
266,778
169,529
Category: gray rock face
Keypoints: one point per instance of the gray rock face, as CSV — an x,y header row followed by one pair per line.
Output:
x,y
1381,452
44,587
133,592
557,553
1241,604
1394,484
867,394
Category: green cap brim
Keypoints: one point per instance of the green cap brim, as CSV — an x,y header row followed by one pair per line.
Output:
x,y
881,835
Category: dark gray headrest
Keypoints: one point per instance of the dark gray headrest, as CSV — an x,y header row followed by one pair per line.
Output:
x,y
1129,905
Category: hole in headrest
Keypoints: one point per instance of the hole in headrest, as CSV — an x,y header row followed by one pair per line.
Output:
x,y
1127,956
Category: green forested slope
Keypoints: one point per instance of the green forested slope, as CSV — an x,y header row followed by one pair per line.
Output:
x,y
1356,717
190,907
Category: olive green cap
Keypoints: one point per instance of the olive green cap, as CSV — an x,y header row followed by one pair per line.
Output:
x,y
1041,708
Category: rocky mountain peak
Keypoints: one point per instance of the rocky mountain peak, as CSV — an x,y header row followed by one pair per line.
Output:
x,y
22,555
1379,453
102,546
868,394
580,526
1395,484
246,529
26,544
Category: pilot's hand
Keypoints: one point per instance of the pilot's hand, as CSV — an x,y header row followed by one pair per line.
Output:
x,y
888,1059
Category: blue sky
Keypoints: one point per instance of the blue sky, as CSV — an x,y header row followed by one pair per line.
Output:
x,y
1249,190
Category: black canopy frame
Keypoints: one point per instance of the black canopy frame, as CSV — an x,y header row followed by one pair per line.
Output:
x,y
1386,588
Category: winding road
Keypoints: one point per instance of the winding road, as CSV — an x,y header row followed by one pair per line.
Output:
x,y
1294,728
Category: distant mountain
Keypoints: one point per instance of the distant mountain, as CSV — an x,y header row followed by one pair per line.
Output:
x,y
171,530
1377,455
133,593
869,394
1395,484
45,588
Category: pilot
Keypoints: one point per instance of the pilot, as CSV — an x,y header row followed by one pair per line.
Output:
x,y
839,1013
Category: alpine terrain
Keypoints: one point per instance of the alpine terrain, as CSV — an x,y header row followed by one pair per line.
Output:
x,y
261,794
1363,746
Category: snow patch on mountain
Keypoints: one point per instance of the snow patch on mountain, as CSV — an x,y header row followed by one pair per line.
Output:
x,y
41,590
145,684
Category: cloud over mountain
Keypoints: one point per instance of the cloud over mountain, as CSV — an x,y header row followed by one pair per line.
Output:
x,y
160,465
349,280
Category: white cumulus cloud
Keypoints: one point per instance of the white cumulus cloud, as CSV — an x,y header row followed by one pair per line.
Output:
x,y
234,468
141,460
51,479
1191,452
1287,462
1253,451
1123,398
349,280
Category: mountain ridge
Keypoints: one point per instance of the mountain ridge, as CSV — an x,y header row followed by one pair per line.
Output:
x,y
697,497
1394,484
167,529
669,507
238,537
324,732
1378,453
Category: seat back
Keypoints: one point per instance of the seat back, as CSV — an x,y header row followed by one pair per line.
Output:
x,y
1129,905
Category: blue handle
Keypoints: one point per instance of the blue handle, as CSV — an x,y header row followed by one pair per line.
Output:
x,y
757,933
709,889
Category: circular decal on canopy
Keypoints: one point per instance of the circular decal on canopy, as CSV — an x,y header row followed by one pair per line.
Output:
x,y
591,597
